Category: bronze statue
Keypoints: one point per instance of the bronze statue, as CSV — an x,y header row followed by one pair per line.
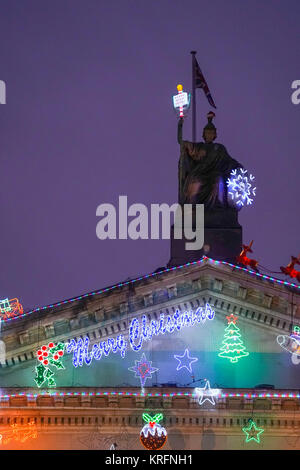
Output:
x,y
204,168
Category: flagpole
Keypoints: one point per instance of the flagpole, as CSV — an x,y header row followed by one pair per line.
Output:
x,y
193,96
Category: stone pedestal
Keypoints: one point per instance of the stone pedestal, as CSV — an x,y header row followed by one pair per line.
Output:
x,y
222,239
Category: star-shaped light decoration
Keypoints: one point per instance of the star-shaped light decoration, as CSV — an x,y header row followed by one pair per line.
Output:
x,y
185,361
207,393
253,432
231,318
143,369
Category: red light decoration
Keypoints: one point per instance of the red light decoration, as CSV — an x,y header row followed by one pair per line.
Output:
x,y
48,355
289,270
243,258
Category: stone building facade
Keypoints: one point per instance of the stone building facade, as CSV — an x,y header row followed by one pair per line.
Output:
x,y
96,405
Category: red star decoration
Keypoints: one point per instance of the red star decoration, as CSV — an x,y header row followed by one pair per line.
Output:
x,y
231,318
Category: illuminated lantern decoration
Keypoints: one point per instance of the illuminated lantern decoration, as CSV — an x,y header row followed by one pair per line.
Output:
x,y
10,308
181,101
253,432
243,258
153,436
289,270
233,348
240,187
49,355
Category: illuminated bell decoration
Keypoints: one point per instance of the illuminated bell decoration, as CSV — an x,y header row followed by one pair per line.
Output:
x,y
253,432
153,436
233,348
240,187
181,101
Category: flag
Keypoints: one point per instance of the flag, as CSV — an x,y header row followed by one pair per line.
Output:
x,y
200,82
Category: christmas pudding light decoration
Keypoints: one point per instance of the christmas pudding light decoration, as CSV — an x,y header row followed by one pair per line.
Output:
x,y
48,356
253,432
153,436
233,348
240,187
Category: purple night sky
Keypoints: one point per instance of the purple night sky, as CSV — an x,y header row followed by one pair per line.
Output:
x,y
89,117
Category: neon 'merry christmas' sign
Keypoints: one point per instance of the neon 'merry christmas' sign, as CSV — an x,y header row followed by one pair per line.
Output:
x,y
140,330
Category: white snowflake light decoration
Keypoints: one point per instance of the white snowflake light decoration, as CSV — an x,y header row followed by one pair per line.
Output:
x,y
240,187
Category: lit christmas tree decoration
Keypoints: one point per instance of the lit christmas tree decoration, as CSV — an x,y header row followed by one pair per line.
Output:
x,y
252,432
207,394
240,187
185,361
153,436
143,369
233,348
48,355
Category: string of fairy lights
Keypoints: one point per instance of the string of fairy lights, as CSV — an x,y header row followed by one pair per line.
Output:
x,y
146,276
221,394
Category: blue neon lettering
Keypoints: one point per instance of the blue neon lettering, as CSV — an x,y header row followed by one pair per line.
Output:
x,y
139,330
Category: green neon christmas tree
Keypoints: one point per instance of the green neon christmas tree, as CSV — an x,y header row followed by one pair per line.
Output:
x,y
233,347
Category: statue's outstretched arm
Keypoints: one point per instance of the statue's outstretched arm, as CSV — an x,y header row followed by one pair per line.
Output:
x,y
179,131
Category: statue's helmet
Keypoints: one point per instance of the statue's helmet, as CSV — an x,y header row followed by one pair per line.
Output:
x,y
210,127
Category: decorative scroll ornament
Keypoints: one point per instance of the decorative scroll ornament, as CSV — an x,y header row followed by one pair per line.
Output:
x,y
19,432
181,101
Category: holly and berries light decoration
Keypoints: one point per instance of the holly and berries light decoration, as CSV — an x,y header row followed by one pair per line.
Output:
x,y
153,436
252,432
240,187
48,356
233,348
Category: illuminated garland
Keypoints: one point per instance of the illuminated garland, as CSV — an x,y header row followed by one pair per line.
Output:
x,y
222,394
48,356
146,276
